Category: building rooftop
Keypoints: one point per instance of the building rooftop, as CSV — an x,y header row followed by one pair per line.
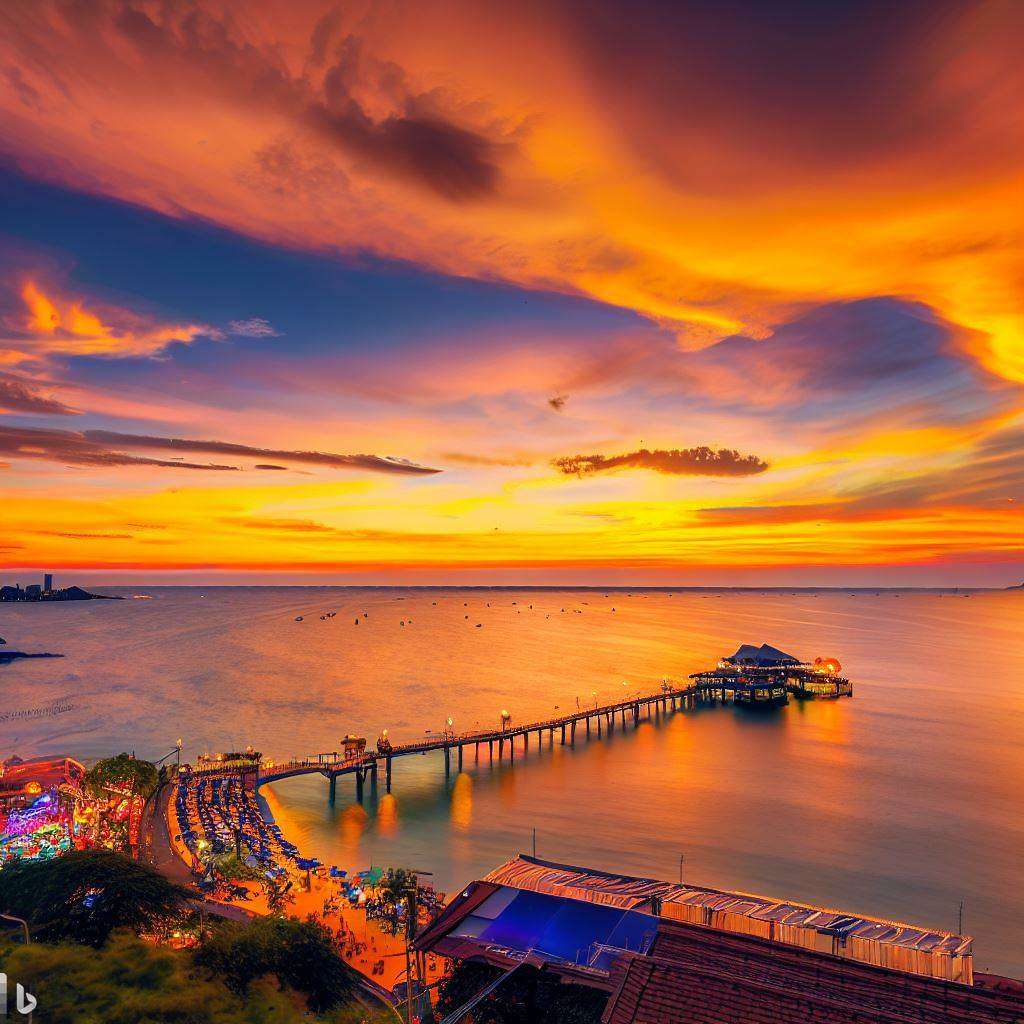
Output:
x,y
629,893
702,976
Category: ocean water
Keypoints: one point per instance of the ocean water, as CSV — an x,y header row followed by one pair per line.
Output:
x,y
902,802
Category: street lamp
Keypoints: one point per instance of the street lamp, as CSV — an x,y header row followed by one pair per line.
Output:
x,y
22,922
505,719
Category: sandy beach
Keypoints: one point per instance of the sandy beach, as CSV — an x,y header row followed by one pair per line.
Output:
x,y
363,942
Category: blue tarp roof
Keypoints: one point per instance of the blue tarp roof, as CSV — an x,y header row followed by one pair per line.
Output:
x,y
554,927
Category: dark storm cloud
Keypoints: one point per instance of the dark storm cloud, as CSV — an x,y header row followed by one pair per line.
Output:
x,y
18,395
700,461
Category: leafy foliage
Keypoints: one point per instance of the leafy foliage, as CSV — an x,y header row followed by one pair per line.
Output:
x,y
236,870
395,885
122,772
84,895
134,982
300,953
528,997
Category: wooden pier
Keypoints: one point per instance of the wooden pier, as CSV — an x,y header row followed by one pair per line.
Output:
x,y
595,722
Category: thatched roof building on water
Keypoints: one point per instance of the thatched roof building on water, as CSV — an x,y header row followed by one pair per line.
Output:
x,y
765,677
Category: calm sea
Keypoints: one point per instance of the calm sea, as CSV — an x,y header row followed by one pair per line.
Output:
x,y
902,802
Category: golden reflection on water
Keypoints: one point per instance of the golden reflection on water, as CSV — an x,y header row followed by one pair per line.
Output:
x,y
899,802
462,802
387,815
353,822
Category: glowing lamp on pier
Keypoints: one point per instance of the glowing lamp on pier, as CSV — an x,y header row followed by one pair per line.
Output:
x,y
505,719
827,666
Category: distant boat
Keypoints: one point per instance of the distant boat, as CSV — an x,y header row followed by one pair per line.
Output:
x,y
298,618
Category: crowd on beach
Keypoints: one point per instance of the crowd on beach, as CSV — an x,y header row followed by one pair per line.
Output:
x,y
218,813
220,828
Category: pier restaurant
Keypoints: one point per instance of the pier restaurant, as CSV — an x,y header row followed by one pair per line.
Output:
x,y
766,677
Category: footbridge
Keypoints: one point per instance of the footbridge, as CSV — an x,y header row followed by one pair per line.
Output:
x,y
597,721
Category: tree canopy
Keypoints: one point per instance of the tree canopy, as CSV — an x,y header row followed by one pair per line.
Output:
x,y
300,953
131,981
122,772
84,895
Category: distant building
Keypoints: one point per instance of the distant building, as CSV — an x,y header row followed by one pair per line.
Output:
x,y
35,592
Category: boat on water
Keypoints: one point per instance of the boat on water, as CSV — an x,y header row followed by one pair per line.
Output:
x,y
298,618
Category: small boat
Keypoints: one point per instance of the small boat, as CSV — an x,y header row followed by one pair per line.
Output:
x,y
298,618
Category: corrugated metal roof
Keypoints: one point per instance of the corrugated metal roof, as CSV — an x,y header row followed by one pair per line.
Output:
x,y
630,893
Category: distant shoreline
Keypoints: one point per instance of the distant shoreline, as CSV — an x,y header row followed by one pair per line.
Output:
x,y
540,588
6,657
12,595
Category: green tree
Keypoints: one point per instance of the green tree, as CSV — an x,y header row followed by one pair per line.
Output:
x,y
395,885
122,772
84,895
130,981
300,954
235,869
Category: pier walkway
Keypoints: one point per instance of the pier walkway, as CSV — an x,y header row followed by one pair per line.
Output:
x,y
596,721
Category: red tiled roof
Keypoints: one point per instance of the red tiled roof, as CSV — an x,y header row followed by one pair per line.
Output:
x,y
699,975
655,991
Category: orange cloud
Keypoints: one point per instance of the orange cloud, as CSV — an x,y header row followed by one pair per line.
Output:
x,y
58,325
544,145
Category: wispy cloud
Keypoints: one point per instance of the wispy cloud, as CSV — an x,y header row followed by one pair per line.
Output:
x,y
700,461
73,448
52,323
376,463
20,395
108,448
253,327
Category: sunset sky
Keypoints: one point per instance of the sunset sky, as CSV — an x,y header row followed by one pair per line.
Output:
x,y
440,292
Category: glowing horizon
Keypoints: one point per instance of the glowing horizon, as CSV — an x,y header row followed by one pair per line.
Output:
x,y
419,292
